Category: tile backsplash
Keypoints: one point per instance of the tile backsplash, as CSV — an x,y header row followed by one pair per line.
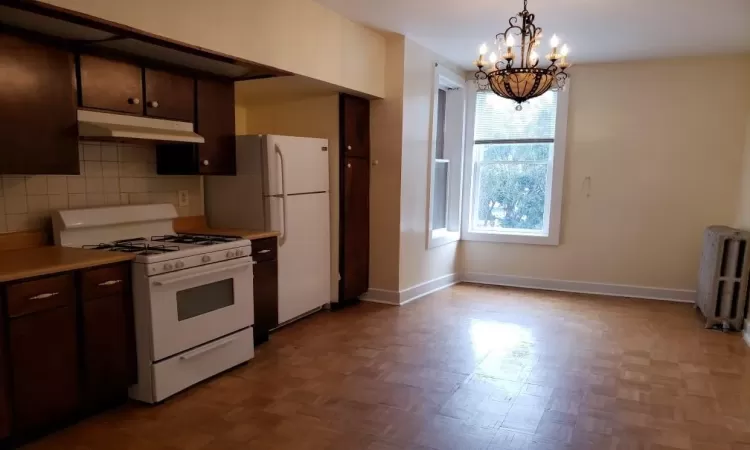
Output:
x,y
111,174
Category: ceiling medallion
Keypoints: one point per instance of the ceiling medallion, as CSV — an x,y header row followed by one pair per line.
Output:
x,y
521,79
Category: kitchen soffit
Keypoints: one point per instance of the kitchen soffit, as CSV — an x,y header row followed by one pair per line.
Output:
x,y
89,34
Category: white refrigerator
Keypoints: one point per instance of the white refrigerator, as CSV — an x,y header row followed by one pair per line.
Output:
x,y
282,185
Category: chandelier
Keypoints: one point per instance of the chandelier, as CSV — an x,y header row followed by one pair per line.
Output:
x,y
519,77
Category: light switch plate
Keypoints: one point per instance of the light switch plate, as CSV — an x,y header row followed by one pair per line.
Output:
x,y
183,198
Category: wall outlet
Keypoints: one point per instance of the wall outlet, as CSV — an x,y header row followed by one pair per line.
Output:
x,y
183,198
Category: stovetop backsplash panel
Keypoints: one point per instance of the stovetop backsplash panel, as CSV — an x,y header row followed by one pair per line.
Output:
x,y
111,174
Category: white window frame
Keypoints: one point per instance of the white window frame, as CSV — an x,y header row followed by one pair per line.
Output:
x,y
455,118
550,234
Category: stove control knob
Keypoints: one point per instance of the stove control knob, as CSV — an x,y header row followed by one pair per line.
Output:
x,y
230,254
167,266
179,264
206,259
240,253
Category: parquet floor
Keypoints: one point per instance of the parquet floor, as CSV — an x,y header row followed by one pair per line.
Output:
x,y
467,368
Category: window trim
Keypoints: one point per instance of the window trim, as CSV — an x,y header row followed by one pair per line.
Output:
x,y
553,210
445,78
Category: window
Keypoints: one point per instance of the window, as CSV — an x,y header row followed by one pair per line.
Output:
x,y
515,171
446,158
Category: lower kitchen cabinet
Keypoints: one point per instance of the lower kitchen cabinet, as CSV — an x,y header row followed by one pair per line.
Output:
x,y
107,359
69,348
43,367
265,288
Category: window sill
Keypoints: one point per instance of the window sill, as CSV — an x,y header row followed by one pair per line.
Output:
x,y
513,238
442,237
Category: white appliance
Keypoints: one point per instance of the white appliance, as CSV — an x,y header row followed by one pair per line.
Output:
x,y
105,125
192,294
282,185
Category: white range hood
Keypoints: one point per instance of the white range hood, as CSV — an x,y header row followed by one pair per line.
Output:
x,y
119,126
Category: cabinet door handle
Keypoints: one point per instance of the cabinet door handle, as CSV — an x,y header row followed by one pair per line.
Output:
x,y
134,101
348,147
110,283
205,162
43,296
264,251
349,165
153,104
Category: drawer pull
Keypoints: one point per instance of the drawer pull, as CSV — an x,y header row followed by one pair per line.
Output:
x,y
110,283
207,348
264,251
43,296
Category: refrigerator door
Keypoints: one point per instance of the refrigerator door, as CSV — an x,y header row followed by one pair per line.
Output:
x,y
295,165
304,252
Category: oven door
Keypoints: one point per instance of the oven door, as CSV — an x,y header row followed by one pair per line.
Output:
x,y
194,306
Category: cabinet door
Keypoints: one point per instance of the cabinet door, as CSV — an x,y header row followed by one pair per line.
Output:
x,y
265,298
108,362
44,367
110,85
169,95
215,122
38,122
355,126
355,225
4,385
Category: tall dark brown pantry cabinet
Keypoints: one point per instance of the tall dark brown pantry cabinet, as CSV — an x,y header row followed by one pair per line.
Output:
x,y
354,226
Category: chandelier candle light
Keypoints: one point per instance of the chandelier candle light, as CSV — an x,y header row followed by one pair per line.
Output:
x,y
518,77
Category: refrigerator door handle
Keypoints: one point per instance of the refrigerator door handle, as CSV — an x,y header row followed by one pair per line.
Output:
x,y
282,238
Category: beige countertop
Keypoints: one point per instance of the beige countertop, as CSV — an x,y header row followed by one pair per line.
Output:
x,y
34,262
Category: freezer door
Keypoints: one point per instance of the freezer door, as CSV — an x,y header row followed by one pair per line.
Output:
x,y
304,253
296,165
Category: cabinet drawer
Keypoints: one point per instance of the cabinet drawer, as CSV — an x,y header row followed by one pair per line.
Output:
x,y
265,249
39,295
105,281
182,371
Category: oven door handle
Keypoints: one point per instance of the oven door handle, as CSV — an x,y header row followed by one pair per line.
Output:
x,y
193,276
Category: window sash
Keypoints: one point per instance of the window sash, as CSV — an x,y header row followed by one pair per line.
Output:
x,y
446,206
514,141
511,231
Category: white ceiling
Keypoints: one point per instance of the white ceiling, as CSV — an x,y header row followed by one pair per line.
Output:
x,y
597,30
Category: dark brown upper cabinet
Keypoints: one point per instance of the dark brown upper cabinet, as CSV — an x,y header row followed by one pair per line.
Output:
x,y
215,122
169,95
355,126
38,124
110,85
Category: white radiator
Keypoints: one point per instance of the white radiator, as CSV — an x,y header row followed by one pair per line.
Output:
x,y
723,278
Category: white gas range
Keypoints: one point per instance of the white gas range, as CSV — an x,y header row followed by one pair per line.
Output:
x,y
192,294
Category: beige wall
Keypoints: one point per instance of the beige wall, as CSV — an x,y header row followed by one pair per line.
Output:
x,y
316,117
662,143
743,207
299,36
417,264
386,130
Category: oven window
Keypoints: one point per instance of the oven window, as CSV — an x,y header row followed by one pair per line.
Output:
x,y
204,299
